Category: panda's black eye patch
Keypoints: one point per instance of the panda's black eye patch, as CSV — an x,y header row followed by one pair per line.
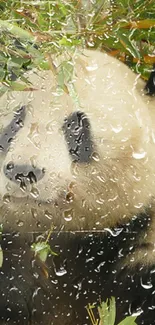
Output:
x,y
10,130
77,133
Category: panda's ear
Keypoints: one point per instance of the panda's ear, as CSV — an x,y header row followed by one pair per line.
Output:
x,y
150,85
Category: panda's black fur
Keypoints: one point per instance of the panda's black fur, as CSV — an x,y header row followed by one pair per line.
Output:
x,y
91,265
89,268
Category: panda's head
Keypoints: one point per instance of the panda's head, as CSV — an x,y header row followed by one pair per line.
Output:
x,y
83,160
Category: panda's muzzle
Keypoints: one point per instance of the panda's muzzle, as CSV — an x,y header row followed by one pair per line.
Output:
x,y
23,175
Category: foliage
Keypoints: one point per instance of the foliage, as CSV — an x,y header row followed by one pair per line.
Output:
x,y
107,314
30,30
41,247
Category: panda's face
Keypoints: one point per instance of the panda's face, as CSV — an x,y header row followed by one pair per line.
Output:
x,y
79,163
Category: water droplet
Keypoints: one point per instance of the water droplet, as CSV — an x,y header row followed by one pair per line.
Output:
x,y
34,213
117,129
60,272
33,135
20,223
95,156
146,286
22,184
100,201
138,205
48,215
99,266
6,198
101,178
34,192
139,155
36,292
90,259
50,127
74,169
33,160
92,67
13,288
110,108
68,214
137,178
70,197
137,312
10,166
115,232
113,199
120,253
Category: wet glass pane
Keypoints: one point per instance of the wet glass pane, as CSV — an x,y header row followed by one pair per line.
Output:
x,y
77,162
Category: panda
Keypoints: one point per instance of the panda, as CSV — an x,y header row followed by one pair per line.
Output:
x,y
81,162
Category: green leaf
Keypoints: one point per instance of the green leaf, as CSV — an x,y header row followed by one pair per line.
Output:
x,y
68,42
128,43
112,311
130,320
65,73
18,86
42,250
65,76
2,73
107,312
3,90
15,30
15,61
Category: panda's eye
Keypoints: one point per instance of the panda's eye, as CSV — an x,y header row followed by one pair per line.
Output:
x,y
77,133
11,129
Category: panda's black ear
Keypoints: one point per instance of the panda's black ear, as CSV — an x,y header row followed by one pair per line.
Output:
x,y
150,85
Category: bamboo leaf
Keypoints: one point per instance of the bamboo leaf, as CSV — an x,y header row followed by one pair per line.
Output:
x,y
129,45
17,31
130,320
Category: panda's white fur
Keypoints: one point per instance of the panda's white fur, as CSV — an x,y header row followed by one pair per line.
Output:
x,y
120,180
103,208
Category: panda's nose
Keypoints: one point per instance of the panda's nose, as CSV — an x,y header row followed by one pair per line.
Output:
x,y
23,174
